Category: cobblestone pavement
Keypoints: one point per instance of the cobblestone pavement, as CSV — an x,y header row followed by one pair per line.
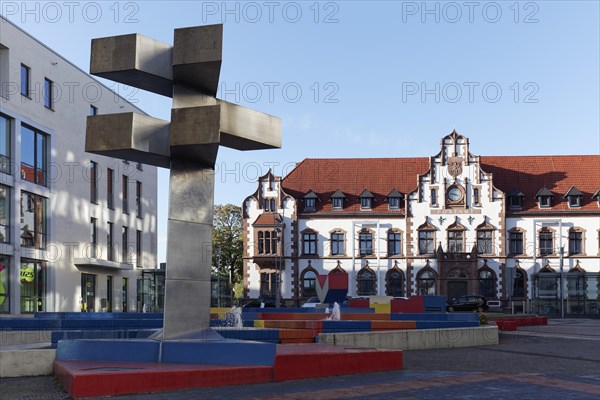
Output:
x,y
559,361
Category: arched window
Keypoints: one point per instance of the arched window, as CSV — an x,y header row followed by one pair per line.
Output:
x,y
309,283
576,282
426,282
487,283
366,282
547,283
394,282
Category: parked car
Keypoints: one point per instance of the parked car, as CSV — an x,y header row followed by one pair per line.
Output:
x,y
468,303
261,302
311,302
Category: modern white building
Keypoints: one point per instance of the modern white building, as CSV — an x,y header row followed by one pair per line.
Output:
x,y
76,229
452,224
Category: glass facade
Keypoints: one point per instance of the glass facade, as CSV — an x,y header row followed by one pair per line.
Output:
x,y
33,220
33,155
4,214
4,284
5,160
33,286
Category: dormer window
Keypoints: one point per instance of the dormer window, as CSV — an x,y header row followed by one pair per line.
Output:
x,y
366,200
310,201
544,197
337,200
515,199
596,196
394,198
574,196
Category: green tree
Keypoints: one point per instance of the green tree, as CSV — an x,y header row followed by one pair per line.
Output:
x,y
227,236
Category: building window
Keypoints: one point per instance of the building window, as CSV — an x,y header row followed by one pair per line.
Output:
x,y
139,166
484,242
4,285
574,201
455,241
33,155
5,160
269,205
309,204
268,284
93,238
365,203
476,197
575,242
94,182
394,283
125,244
338,203
546,243
545,201
487,284
394,243
33,286
138,249
515,243
366,282
394,203
365,244
309,243
425,242
516,202
125,194
33,220
25,80
309,283
138,199
110,197
93,111
5,217
426,283
434,199
267,242
110,253
337,244
48,94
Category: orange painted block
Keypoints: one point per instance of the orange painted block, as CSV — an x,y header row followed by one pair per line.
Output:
x,y
293,324
293,316
365,317
295,334
392,325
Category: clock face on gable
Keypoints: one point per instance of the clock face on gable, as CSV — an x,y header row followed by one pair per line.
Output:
x,y
454,194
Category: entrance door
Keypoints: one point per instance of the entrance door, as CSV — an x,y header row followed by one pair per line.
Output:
x,y
88,292
109,293
457,289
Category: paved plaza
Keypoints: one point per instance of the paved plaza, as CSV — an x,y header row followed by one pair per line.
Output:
x,y
557,361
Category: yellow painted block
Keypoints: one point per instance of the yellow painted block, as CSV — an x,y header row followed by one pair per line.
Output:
x,y
259,323
219,310
382,308
379,300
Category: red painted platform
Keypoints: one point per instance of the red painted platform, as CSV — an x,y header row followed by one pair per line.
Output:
x,y
83,379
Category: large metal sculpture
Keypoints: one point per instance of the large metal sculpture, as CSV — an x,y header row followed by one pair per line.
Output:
x,y
188,72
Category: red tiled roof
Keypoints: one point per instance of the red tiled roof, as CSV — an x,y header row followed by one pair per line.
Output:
x,y
267,218
557,173
380,175
352,176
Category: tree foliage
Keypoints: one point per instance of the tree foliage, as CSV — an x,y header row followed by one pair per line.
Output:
x,y
227,236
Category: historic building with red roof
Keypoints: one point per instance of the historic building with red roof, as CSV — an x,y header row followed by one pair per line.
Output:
x,y
453,224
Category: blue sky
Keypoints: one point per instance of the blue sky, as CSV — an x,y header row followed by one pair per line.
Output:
x,y
369,79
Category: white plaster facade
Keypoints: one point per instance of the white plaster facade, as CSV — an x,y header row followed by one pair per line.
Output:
x,y
454,193
68,190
